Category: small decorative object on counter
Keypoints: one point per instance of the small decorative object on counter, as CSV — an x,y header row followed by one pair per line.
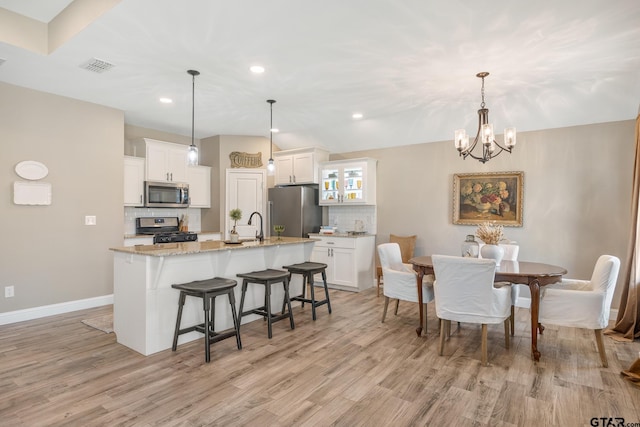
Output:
x,y
470,248
235,215
279,229
491,235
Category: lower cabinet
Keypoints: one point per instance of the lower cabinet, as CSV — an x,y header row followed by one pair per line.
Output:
x,y
350,260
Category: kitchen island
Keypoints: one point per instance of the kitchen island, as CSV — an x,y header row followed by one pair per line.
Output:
x,y
145,306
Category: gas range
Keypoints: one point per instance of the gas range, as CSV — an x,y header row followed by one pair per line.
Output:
x,y
175,237
164,230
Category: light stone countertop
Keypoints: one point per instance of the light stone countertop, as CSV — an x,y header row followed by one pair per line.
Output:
x,y
169,249
355,236
137,236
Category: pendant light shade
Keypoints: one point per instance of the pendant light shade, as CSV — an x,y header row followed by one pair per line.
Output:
x,y
193,150
271,167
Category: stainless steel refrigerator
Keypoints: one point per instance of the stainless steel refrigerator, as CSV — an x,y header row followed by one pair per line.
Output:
x,y
296,207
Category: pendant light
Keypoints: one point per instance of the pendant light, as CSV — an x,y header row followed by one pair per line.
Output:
x,y
193,150
271,168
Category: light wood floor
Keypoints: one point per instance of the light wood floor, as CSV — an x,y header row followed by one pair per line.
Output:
x,y
345,369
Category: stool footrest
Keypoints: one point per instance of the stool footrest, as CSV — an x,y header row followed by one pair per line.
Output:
x,y
316,303
262,311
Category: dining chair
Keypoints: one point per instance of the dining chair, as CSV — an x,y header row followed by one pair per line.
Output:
x,y
407,249
582,303
464,292
400,281
510,254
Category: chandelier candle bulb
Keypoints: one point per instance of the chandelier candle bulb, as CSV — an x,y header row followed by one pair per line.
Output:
x,y
461,139
510,137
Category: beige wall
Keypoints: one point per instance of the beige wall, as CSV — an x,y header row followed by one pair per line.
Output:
x,y
577,187
47,252
577,184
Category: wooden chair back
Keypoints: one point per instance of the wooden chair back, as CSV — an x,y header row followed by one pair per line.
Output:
x,y
407,245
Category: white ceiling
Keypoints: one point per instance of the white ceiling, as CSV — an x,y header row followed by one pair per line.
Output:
x,y
408,65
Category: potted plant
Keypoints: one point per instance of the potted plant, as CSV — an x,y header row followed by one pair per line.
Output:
x,y
235,215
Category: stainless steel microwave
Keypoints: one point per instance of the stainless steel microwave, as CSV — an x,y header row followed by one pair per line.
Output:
x,y
166,194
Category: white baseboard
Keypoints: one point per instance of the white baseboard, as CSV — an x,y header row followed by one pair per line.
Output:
x,y
526,303
50,310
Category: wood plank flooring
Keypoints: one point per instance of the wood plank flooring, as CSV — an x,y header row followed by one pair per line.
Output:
x,y
345,369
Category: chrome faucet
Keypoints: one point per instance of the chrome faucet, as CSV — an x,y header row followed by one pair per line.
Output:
x,y
261,235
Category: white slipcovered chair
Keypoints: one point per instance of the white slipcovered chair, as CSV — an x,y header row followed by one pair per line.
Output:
x,y
464,292
583,303
400,280
510,254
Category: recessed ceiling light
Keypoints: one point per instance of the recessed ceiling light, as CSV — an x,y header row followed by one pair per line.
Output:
x,y
357,115
275,130
166,100
258,69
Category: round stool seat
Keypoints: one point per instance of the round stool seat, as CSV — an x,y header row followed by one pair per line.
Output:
x,y
265,275
206,286
305,267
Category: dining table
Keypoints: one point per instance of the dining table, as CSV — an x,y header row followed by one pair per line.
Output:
x,y
532,274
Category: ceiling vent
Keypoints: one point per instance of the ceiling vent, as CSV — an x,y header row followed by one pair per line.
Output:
x,y
97,65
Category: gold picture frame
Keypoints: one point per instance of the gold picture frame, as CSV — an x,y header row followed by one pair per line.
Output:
x,y
495,197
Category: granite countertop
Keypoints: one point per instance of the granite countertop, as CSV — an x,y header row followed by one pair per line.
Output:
x,y
355,236
168,249
137,236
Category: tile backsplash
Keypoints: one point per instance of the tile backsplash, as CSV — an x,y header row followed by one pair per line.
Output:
x,y
130,215
344,217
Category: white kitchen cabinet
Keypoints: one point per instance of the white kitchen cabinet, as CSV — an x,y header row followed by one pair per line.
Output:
x,y
165,161
350,260
133,181
298,166
199,179
348,182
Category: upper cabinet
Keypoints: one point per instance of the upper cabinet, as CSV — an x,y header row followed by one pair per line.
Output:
x,y
348,182
298,166
199,179
133,181
165,161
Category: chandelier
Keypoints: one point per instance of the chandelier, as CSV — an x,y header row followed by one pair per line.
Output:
x,y
485,136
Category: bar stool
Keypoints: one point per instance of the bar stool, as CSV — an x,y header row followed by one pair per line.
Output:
x,y
208,290
308,270
267,278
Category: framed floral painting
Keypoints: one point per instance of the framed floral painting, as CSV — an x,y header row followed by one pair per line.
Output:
x,y
481,197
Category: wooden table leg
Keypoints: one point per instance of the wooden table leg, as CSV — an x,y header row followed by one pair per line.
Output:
x,y
534,287
419,277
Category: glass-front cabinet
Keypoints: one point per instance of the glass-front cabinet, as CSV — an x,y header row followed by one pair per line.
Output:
x,y
348,182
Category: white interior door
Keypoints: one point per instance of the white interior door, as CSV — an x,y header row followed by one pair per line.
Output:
x,y
246,190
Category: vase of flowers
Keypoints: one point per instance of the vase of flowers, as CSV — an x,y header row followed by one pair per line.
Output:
x,y
235,215
491,235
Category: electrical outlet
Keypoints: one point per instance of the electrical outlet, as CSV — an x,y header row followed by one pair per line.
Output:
x,y
8,291
90,220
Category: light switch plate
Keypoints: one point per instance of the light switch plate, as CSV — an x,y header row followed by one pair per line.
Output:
x,y
90,220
